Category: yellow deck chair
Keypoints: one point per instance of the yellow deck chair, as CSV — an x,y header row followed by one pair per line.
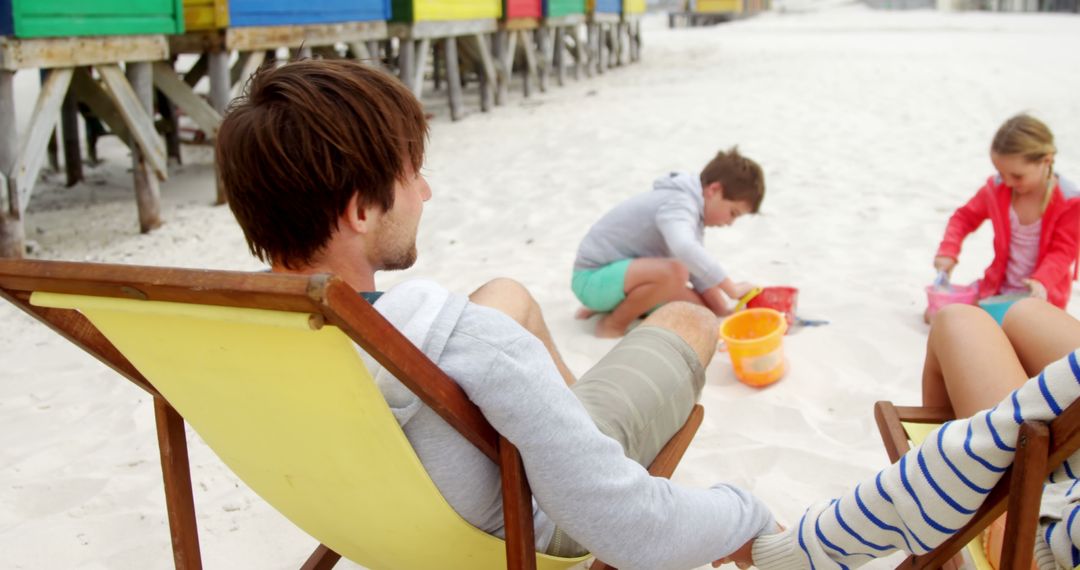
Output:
x,y
265,368
1041,448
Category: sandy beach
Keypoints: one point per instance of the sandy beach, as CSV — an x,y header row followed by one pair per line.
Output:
x,y
871,128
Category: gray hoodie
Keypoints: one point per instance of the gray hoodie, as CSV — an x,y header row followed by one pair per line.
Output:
x,y
580,478
667,222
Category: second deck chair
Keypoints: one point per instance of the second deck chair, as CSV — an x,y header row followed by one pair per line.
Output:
x,y
265,368
1041,448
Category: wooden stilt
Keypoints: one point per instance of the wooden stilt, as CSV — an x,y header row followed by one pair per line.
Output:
x,y
558,56
438,64
502,80
453,79
53,148
593,31
417,80
543,45
487,73
603,58
147,193
12,236
197,71
236,71
581,58
406,61
621,35
54,154
178,93
526,77
375,51
509,54
529,48
136,117
220,80
31,154
252,63
69,121
172,127
220,87
90,92
176,474
359,51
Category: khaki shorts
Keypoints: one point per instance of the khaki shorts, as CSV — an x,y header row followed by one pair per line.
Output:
x,y
639,394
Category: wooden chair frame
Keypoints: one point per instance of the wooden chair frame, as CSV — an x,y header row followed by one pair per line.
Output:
x,y
1040,448
324,296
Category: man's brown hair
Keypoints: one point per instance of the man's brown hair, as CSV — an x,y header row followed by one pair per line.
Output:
x,y
741,177
305,138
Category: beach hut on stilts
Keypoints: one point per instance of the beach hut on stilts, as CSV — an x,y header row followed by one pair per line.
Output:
x,y
708,12
79,47
233,38
628,44
602,20
537,37
565,19
441,27
519,33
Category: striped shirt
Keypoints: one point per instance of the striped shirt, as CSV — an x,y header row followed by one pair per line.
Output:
x,y
920,501
1023,253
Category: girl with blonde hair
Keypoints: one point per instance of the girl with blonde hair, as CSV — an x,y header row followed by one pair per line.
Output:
x,y
1035,214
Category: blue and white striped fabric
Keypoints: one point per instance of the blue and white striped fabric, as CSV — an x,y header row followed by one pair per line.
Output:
x,y
935,488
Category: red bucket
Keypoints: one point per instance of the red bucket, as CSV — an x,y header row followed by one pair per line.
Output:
x,y
783,299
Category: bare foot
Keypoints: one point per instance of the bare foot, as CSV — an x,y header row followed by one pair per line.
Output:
x,y
604,328
584,313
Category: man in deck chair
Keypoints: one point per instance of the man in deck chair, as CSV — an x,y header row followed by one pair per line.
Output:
x,y
320,162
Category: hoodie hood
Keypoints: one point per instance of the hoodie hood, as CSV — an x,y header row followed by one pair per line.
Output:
x,y
688,184
426,313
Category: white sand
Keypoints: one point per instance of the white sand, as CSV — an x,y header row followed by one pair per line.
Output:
x,y
871,128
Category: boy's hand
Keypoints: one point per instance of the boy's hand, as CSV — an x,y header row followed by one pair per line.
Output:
x,y
946,264
740,289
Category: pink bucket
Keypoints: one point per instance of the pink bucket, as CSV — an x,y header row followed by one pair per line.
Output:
x,y
936,298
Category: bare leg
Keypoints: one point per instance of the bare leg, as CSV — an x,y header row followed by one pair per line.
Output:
x,y
970,364
649,282
687,294
1040,333
695,324
513,299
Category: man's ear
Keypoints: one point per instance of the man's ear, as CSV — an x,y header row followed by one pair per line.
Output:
x,y
714,188
357,218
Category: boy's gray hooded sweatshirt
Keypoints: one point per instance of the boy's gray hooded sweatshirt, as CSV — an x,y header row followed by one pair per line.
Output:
x,y
580,478
667,222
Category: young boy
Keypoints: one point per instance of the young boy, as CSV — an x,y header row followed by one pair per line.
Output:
x,y
642,253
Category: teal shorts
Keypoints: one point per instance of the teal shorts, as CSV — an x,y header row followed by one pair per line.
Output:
x,y
601,289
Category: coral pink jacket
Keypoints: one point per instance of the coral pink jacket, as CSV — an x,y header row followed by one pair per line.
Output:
x,y
1058,245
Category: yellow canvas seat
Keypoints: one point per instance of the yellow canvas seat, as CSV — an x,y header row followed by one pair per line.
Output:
x,y
266,369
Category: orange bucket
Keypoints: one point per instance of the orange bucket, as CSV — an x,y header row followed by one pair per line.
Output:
x,y
755,342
